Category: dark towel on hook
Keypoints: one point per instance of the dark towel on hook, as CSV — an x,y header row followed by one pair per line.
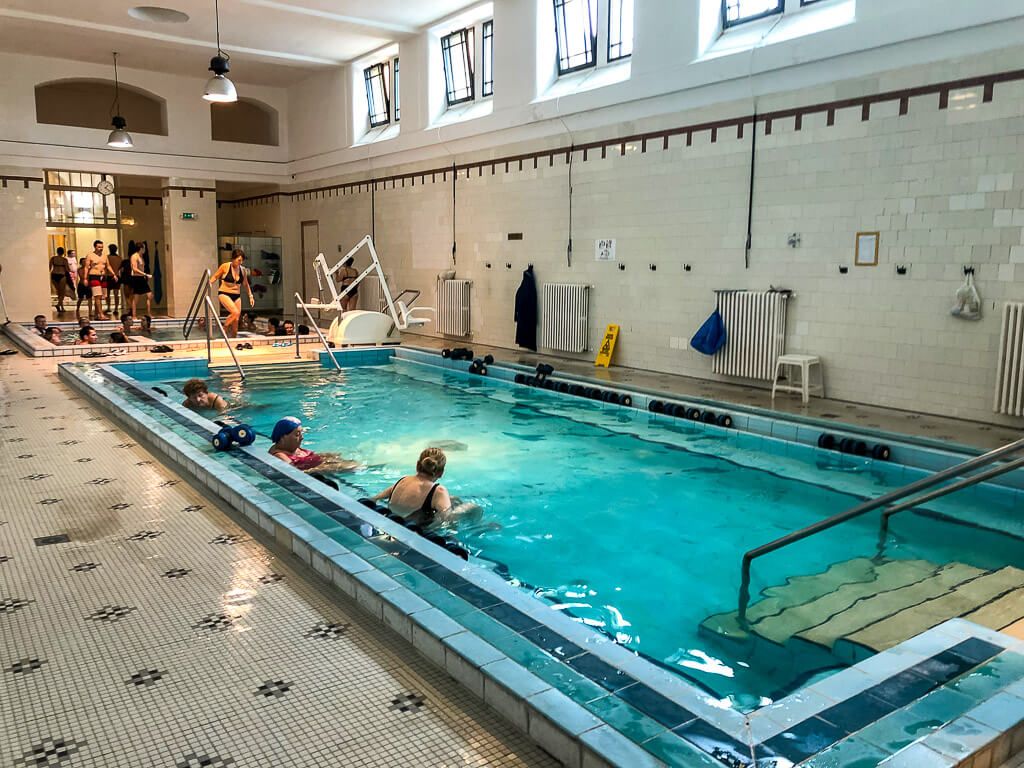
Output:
x,y
526,312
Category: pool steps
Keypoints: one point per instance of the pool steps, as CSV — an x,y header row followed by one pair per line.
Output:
x,y
859,607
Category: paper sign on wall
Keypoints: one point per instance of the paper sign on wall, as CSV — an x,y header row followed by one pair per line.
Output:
x,y
604,250
604,355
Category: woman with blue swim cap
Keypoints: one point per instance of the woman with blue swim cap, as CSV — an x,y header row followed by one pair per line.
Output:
x,y
287,437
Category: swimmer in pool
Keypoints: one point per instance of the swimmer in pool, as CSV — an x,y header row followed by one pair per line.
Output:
x,y
287,437
199,398
420,499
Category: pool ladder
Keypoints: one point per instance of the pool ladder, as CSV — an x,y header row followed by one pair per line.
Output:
x,y
202,300
924,484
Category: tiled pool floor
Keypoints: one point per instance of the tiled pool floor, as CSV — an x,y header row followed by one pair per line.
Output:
x,y
162,634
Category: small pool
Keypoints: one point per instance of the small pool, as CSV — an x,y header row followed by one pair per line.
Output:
x,y
632,524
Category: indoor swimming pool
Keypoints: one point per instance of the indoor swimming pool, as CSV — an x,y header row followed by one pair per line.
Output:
x,y
632,524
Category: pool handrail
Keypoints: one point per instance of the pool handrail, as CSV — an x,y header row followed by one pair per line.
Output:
x,y
315,327
869,506
202,299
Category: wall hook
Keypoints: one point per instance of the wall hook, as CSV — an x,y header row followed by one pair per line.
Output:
x,y
653,267
843,270
686,267
622,267
968,270
901,269
508,265
487,264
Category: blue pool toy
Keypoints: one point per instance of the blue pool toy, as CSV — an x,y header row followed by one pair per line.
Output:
x,y
223,439
243,434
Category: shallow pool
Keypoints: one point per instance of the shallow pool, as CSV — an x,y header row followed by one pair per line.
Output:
x,y
633,525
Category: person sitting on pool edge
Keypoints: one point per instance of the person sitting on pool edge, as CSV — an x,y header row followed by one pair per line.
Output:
x,y
198,397
287,437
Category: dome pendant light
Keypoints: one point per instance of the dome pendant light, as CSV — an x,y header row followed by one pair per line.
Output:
x,y
218,88
119,138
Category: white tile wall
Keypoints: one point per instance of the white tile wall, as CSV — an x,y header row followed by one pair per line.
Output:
x,y
24,257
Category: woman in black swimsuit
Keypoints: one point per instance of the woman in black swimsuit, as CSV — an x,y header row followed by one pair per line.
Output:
x,y
419,499
232,277
348,276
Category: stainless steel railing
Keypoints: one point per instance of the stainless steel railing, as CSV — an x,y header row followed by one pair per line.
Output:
x,y
315,327
923,484
202,300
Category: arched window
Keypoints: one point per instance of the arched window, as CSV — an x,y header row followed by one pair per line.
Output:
x,y
86,104
246,121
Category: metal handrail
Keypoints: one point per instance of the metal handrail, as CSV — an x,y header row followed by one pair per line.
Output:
x,y
203,289
211,309
315,327
870,506
408,290
966,482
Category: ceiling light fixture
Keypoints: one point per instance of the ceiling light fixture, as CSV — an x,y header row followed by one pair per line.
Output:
x,y
119,138
218,88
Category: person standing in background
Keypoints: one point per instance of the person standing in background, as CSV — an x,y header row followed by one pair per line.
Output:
x,y
346,276
97,270
83,284
72,274
139,280
114,259
59,277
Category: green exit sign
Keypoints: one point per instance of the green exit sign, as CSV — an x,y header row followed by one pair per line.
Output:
x,y
189,217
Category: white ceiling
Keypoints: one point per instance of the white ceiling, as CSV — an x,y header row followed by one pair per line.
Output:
x,y
271,42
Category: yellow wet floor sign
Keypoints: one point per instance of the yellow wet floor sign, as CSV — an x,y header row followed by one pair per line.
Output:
x,y
604,355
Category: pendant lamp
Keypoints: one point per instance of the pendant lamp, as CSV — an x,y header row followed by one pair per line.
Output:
x,y
218,88
119,138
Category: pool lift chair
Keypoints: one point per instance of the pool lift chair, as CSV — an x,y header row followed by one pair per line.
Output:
x,y
361,326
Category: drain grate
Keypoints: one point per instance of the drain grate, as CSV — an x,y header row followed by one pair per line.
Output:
x,y
57,538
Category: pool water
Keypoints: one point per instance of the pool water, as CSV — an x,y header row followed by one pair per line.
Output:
x,y
632,525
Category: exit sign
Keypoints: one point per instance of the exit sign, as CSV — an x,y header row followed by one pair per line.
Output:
x,y
189,216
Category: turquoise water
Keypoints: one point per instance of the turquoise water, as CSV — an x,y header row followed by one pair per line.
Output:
x,y
634,526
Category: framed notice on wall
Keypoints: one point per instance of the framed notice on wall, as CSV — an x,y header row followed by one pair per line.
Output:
x,y
867,250
604,250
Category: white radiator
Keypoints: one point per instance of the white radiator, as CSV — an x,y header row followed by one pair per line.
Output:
x,y
1010,364
453,307
371,297
755,329
564,317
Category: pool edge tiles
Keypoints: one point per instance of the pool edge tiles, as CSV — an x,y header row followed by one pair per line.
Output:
x,y
635,705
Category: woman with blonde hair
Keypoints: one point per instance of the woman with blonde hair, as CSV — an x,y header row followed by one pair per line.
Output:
x,y
418,499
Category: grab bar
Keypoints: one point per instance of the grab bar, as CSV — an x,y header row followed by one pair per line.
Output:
x,y
203,289
314,326
227,343
413,300
865,507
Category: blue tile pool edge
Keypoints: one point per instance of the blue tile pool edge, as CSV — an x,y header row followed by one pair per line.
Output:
x,y
398,608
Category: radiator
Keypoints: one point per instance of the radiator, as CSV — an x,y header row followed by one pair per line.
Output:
x,y
564,317
755,328
1010,364
371,297
453,307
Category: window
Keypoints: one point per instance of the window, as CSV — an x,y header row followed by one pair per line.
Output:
x,y
620,29
378,105
487,59
72,200
576,30
398,93
739,11
457,53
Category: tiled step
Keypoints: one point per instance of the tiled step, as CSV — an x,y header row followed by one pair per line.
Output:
x,y
889,576
1001,612
964,599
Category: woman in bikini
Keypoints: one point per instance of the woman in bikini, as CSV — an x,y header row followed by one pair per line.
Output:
x,y
348,276
59,276
232,276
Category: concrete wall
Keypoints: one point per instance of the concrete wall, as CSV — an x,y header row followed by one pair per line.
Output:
x,y
25,281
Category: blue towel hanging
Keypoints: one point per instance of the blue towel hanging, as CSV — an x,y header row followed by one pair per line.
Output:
x,y
710,337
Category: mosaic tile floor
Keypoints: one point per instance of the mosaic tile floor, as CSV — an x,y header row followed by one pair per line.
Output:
x,y
970,433
159,633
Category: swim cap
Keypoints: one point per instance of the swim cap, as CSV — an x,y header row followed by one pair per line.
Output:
x,y
285,427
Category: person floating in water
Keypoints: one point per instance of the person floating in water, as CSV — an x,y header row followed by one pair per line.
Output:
x,y
287,437
199,398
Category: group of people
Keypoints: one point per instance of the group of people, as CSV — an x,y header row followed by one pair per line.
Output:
x,y
87,334
418,499
100,278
